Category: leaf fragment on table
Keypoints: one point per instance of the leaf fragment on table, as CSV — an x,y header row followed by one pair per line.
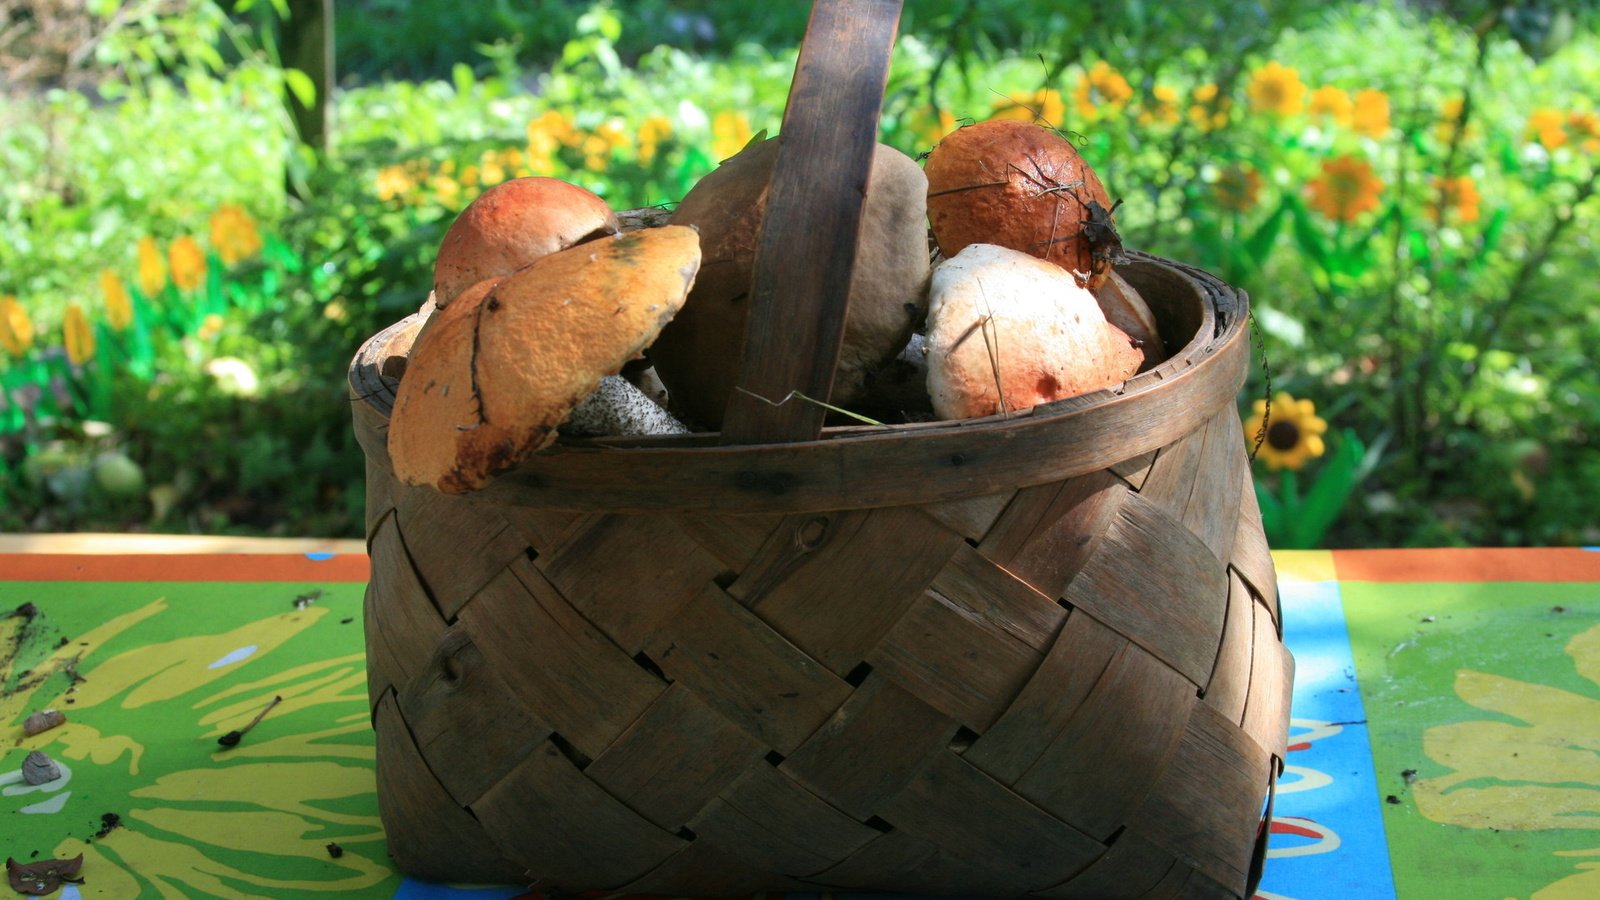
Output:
x,y
36,879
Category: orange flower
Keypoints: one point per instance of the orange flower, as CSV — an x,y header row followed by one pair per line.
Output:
x,y
1346,189
1044,105
935,131
652,132
16,329
77,335
188,263
233,234
1371,114
1162,108
730,132
1335,103
1459,194
1102,89
1210,111
1545,127
1277,89
1238,187
1585,127
152,271
119,307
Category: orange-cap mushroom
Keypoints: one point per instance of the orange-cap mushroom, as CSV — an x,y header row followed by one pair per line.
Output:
x,y
513,224
1008,331
492,375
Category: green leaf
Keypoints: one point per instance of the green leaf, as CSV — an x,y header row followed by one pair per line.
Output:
x,y
1327,496
1306,234
1491,236
461,75
301,86
1260,242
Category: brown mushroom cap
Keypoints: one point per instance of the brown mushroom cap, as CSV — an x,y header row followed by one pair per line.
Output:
x,y
698,355
1018,185
1008,331
512,224
492,375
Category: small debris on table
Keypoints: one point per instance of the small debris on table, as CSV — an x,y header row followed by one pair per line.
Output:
x,y
42,721
108,823
232,738
1410,775
39,768
335,851
36,879
1392,799
305,600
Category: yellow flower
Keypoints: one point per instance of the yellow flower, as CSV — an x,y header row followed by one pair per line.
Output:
x,y
934,132
652,132
1346,189
446,188
77,335
210,327
16,329
1459,194
188,263
233,234
730,132
1371,114
394,183
1044,105
152,271
1335,103
1545,127
1102,91
119,307
596,153
1294,432
1238,187
549,132
1210,110
1277,89
1162,107
1585,126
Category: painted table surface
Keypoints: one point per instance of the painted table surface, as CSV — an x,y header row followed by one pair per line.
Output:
x,y
1445,735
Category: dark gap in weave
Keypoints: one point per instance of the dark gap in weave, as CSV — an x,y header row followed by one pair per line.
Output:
x,y
725,579
859,674
878,824
532,553
972,541
774,758
964,739
1062,602
1115,835
573,754
685,833
649,665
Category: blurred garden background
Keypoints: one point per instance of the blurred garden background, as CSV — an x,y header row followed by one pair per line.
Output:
x,y
200,225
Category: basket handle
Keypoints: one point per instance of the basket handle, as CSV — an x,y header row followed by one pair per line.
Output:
x,y
807,247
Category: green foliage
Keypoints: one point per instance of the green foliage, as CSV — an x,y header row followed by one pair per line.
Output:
x,y
1446,335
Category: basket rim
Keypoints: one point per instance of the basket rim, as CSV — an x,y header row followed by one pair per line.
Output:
x,y
853,467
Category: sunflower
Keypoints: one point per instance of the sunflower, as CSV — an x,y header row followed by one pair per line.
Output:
x,y
1371,113
1210,110
1161,108
1459,194
77,336
233,234
188,263
152,271
119,306
16,329
1333,102
1293,432
1102,91
1238,187
1346,189
1277,89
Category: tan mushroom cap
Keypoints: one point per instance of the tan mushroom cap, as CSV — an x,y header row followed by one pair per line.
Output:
x,y
698,355
512,224
1018,185
492,375
1008,331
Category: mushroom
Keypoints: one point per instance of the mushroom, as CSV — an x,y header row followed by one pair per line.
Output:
x,y
1126,309
511,225
1008,331
698,355
493,374
1023,186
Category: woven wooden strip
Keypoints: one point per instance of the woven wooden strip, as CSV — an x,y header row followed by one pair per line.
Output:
x,y
479,546
1206,806
975,584
703,869
544,529
1197,481
734,540
1266,711
629,575
973,517
1098,800
465,721
401,622
1083,650
746,671
1230,678
1130,869
1048,532
1155,582
1135,469
833,584
429,836
562,669
953,805
770,821
380,496
914,865
675,759
1252,558
870,748
565,830
958,663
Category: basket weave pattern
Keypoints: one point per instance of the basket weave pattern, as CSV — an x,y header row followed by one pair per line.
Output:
x,y
1069,689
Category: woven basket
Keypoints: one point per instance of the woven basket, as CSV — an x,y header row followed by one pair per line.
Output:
x,y
1036,655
